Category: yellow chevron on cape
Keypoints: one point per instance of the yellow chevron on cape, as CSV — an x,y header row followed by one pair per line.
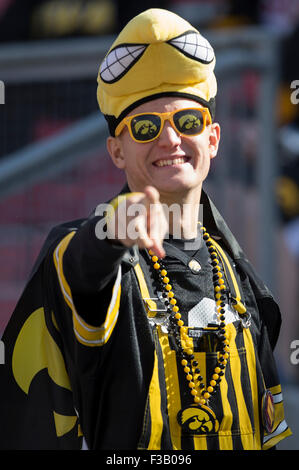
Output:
x,y
156,52
34,351
64,423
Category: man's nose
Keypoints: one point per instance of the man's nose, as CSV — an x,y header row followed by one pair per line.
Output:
x,y
169,136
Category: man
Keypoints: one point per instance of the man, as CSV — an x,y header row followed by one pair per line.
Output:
x,y
156,332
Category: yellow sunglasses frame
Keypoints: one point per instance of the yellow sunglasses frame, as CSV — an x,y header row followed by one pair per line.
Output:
x,y
164,117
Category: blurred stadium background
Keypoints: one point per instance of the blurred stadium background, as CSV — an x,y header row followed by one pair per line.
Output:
x,y
54,166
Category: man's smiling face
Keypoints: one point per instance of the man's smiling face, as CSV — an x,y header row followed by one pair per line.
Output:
x,y
174,164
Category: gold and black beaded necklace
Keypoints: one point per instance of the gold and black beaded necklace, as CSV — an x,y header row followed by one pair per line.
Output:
x,y
199,410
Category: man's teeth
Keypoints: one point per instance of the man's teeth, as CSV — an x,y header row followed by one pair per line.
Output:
x,y
176,161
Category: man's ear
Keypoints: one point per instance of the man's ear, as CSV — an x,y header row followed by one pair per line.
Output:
x,y
214,139
114,147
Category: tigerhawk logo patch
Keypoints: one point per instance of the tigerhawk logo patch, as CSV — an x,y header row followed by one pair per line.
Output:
x,y
198,420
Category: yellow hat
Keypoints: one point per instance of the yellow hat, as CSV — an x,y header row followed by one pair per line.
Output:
x,y
157,54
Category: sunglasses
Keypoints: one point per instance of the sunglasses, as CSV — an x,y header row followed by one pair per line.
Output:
x,y
145,127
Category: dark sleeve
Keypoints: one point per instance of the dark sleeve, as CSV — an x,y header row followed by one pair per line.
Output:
x,y
90,266
90,263
82,279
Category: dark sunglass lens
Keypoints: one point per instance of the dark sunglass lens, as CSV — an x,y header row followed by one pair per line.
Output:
x,y
145,127
188,122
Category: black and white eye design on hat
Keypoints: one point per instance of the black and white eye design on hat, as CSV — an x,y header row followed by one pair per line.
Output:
x,y
194,45
119,61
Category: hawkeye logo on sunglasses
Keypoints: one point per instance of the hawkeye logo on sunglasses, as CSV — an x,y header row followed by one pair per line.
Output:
x,y
144,127
122,58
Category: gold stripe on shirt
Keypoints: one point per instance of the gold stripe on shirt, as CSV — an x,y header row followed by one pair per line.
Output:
x,y
235,365
155,409
172,388
251,363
